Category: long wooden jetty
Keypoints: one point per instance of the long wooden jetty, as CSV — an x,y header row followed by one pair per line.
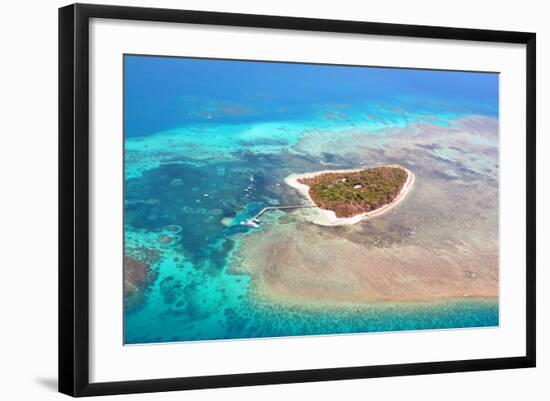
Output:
x,y
255,220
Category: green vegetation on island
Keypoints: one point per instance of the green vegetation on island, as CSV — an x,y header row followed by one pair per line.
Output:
x,y
352,193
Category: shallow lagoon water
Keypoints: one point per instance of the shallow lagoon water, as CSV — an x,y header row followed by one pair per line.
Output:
x,y
226,159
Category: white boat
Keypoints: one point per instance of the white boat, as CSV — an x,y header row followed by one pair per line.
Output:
x,y
254,223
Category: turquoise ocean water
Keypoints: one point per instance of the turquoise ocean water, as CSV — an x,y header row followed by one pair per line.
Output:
x,y
209,142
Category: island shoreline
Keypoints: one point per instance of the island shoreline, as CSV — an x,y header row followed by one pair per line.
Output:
x,y
325,217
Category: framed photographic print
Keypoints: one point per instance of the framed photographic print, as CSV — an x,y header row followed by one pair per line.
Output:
x,y
250,199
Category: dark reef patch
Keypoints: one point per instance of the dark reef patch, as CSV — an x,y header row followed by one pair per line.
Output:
x,y
205,193
138,276
170,288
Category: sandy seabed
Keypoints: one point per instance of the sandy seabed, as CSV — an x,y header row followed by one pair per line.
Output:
x,y
441,243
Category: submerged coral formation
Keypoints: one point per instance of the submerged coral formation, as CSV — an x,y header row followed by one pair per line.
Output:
x,y
138,275
210,143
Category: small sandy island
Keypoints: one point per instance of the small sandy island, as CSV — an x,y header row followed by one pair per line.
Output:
x,y
327,217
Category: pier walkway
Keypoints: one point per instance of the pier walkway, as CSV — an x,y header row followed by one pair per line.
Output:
x,y
255,221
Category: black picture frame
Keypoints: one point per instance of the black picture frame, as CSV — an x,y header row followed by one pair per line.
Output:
x,y
74,198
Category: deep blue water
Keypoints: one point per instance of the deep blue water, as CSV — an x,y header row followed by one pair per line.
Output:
x,y
208,142
169,92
